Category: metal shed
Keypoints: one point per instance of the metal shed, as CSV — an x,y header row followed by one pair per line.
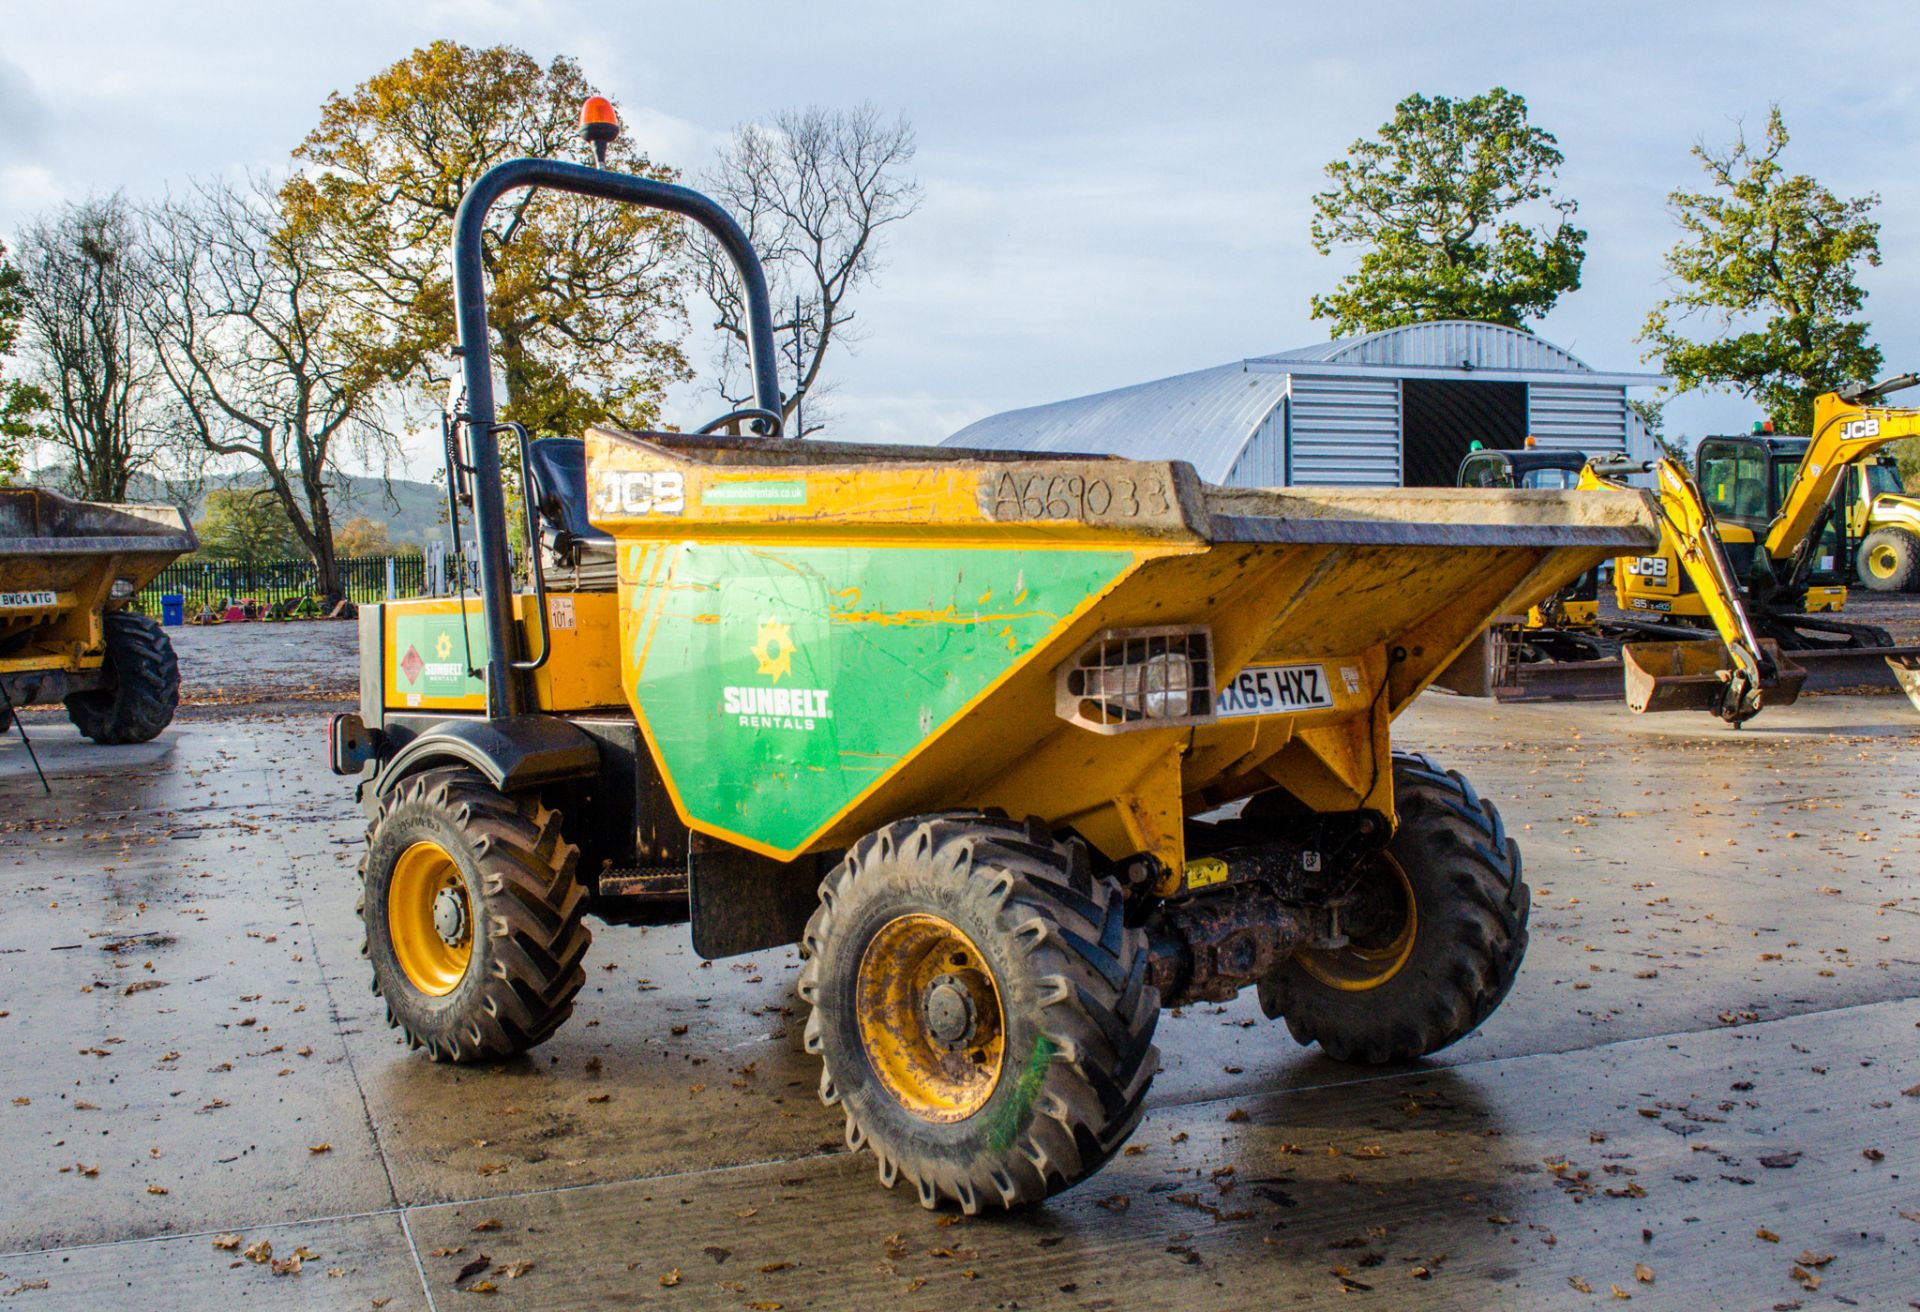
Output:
x,y
1397,407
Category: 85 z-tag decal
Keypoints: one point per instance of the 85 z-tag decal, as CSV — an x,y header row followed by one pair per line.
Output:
x,y
1275,690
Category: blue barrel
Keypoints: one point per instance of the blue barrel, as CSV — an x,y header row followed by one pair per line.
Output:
x,y
173,609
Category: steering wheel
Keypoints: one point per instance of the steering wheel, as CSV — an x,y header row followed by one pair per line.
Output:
x,y
766,422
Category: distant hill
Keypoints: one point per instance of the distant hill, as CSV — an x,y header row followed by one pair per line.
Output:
x,y
412,511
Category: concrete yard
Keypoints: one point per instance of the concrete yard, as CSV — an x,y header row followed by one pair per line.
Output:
x,y
1703,1092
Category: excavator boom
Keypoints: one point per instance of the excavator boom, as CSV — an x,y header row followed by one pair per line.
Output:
x,y
1845,432
1746,673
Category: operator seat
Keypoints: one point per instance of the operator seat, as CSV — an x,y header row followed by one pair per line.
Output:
x,y
578,556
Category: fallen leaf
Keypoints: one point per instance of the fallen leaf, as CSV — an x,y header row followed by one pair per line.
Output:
x,y
473,1268
513,1270
1579,1284
771,1267
670,1279
1619,1292
227,1243
260,1252
717,1253
1815,1259
159,1190
1779,1161
1643,1273
1766,1234
482,1227
318,1148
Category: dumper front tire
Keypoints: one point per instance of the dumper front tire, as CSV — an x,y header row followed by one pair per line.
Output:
x,y
980,1008
145,683
1439,932
474,916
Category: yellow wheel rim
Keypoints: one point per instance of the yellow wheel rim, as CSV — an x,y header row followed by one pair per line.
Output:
x,y
430,919
1882,561
930,1018
1390,921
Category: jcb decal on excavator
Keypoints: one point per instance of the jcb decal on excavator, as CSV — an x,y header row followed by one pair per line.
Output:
x,y
1859,428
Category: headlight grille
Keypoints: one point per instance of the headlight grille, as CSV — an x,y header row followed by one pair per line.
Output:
x,y
1128,679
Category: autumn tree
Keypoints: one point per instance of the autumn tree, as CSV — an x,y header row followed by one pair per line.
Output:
x,y
252,340
814,189
1439,207
1768,262
84,271
245,524
584,296
21,403
364,536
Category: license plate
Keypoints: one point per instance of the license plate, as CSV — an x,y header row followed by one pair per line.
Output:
x,y
1275,690
28,600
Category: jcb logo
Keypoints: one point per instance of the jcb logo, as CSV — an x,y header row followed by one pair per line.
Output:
x,y
1648,567
643,492
1860,428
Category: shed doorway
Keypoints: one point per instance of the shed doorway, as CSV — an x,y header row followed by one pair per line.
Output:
x,y
1441,419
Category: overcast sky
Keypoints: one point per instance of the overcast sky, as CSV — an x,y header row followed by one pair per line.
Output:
x,y
1114,191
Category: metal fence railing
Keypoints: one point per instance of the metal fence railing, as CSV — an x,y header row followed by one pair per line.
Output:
x,y
212,582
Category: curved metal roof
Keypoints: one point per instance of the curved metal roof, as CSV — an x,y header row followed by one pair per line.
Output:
x,y
1204,417
1208,417
1442,343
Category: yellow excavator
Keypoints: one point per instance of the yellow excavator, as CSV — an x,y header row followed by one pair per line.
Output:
x,y
1731,678
1755,545
1785,532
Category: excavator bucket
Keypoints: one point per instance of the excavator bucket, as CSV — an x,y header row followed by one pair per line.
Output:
x,y
1906,673
1693,676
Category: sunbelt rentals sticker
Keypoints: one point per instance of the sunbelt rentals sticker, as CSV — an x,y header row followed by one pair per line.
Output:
x,y
770,705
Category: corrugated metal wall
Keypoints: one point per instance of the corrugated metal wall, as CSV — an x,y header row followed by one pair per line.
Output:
x,y
1343,432
1590,419
1264,461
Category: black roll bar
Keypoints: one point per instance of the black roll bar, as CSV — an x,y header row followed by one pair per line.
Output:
x,y
505,689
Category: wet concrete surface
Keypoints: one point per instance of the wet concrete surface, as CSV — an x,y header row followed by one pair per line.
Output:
x,y
1723,969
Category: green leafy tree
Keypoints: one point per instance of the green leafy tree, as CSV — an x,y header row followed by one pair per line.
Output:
x,y
20,403
1769,261
248,524
584,296
1435,204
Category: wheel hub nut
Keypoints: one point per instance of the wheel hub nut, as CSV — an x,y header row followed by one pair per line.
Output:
x,y
450,917
948,1007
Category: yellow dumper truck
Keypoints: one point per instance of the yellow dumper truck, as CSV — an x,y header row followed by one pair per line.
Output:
x,y
1018,751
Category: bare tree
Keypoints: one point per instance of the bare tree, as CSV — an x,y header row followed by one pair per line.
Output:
x,y
85,270
247,331
813,190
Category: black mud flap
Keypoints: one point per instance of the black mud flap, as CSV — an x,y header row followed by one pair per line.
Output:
x,y
517,752
745,902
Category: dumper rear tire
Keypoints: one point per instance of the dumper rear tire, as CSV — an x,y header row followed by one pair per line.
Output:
x,y
145,688
1889,560
980,1007
474,916
1425,972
